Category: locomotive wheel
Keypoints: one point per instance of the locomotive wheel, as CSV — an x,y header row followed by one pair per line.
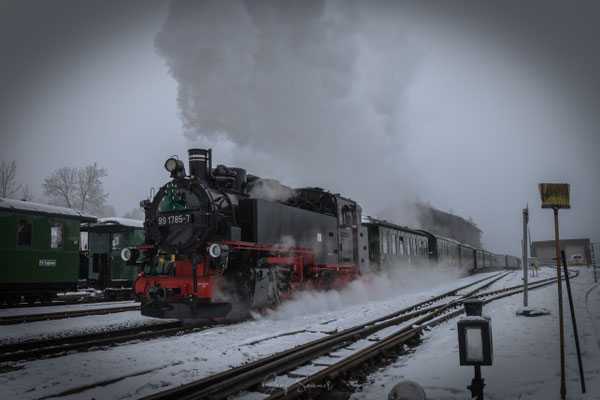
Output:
x,y
325,282
240,312
30,300
241,301
46,298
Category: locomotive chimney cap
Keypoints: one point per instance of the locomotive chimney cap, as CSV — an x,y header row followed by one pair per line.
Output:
x,y
200,161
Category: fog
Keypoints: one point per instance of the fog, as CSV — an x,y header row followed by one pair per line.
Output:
x,y
463,104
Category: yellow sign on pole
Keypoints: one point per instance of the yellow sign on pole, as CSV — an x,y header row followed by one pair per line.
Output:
x,y
554,195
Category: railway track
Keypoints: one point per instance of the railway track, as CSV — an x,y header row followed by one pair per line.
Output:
x,y
350,334
311,368
23,318
63,301
39,348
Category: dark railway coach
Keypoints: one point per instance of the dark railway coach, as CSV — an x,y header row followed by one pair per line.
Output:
x,y
40,250
392,246
105,268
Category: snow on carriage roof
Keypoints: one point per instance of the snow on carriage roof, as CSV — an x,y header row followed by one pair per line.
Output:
x,y
134,223
29,207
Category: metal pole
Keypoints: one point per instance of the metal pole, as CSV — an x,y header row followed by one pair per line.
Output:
x,y
477,384
563,389
581,378
595,258
525,263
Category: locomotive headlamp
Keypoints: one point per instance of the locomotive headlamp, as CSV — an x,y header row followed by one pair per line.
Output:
x,y
171,164
216,250
175,167
126,254
130,255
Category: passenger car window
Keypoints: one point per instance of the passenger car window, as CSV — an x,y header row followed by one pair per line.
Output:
x,y
25,232
384,243
56,235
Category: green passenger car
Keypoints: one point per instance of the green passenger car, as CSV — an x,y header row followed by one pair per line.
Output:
x,y
393,246
39,246
105,241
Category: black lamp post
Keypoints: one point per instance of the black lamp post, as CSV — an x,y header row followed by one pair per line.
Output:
x,y
475,343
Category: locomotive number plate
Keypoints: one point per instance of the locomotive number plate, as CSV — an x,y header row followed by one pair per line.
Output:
x,y
174,219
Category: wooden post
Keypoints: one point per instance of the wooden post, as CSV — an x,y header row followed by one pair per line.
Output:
x,y
563,388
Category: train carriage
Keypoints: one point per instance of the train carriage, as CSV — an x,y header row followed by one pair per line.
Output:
x,y
467,257
487,259
513,262
106,270
479,259
40,250
391,245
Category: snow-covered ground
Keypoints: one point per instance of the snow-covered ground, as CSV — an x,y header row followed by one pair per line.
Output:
x,y
142,368
7,312
526,351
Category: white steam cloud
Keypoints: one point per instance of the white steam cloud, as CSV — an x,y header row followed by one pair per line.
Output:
x,y
271,190
292,83
375,287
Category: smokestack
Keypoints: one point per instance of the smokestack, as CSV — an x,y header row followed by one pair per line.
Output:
x,y
200,162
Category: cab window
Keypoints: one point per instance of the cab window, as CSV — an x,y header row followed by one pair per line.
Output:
x,y
117,241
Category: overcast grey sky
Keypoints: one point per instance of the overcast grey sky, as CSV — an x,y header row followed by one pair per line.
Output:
x,y
464,104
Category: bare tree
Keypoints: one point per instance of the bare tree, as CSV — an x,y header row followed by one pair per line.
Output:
x,y
8,179
106,210
26,194
89,188
79,188
60,187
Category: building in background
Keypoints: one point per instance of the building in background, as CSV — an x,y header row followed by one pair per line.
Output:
x,y
419,215
577,251
448,225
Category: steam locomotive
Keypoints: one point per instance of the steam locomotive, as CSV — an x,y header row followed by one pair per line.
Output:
x,y
220,242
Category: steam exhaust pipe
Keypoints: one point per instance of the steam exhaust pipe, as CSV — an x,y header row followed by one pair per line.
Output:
x,y
200,161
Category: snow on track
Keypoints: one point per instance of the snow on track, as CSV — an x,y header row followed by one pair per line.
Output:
x,y
158,364
526,351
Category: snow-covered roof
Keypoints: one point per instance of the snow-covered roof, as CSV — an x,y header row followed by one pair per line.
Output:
x,y
373,220
28,207
134,223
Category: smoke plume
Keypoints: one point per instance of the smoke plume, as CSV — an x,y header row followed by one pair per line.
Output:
x,y
306,91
